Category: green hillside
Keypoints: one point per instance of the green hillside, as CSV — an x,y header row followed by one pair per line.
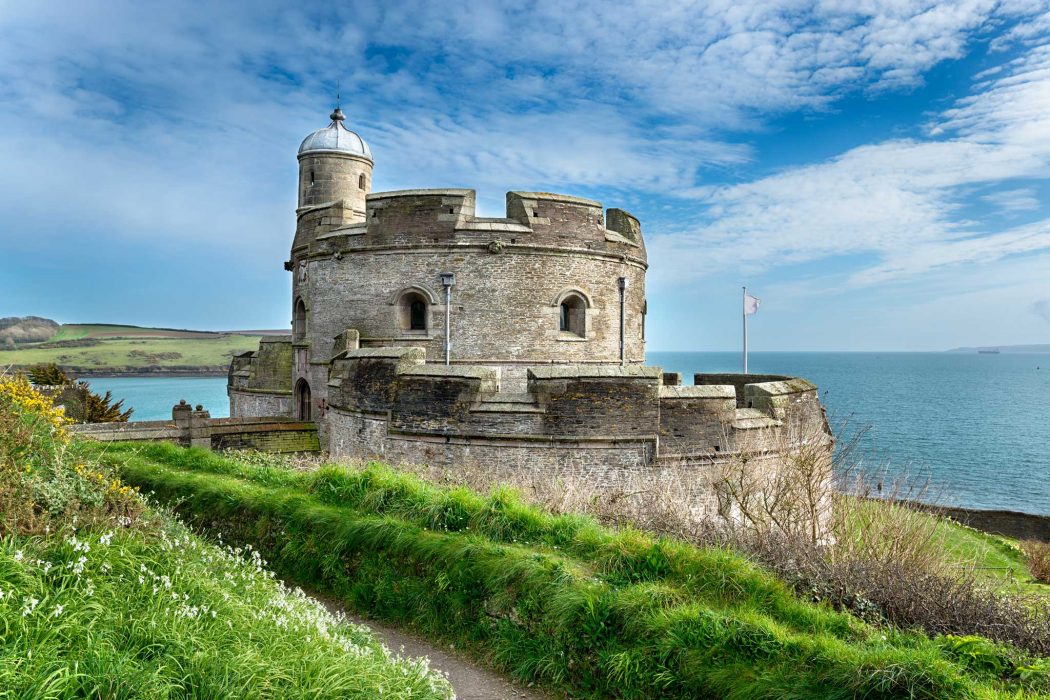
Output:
x,y
559,600
105,348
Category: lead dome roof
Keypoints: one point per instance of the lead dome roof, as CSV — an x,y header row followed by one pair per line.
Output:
x,y
335,138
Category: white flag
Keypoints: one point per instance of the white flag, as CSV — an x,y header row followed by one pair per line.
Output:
x,y
751,304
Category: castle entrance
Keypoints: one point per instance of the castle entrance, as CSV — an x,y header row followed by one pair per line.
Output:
x,y
302,400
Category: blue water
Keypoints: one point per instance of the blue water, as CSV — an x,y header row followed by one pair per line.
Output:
x,y
153,397
977,425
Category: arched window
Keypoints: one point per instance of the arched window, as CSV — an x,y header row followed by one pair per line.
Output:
x,y
299,322
361,181
302,400
417,315
413,312
572,316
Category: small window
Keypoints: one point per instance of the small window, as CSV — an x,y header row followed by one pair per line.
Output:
x,y
361,181
299,321
645,312
311,177
417,315
413,313
573,316
302,400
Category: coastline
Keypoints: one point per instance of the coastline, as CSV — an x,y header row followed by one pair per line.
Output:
x,y
151,371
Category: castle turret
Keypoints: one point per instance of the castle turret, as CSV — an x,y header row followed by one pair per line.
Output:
x,y
335,165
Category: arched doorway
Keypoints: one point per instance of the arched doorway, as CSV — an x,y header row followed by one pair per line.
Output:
x,y
302,400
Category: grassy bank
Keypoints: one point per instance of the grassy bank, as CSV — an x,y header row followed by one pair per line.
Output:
x,y
126,349
559,600
103,596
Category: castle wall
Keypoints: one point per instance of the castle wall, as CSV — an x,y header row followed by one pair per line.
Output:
x,y
261,403
260,381
511,276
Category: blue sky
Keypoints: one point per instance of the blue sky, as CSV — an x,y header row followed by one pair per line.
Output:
x,y
876,172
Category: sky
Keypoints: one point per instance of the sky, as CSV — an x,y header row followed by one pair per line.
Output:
x,y
877,172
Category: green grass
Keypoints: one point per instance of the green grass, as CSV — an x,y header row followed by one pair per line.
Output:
x,y
165,615
78,331
559,600
995,559
103,597
212,351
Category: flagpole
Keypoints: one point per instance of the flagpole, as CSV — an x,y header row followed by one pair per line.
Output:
x,y
743,309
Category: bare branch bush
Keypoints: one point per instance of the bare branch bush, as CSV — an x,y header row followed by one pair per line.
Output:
x,y
827,526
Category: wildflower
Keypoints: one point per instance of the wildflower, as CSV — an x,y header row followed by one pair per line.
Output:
x,y
19,556
58,610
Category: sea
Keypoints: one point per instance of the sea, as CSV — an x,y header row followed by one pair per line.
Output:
x,y
975,426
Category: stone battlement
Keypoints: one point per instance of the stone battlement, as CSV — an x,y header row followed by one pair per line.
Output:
x,y
429,217
394,397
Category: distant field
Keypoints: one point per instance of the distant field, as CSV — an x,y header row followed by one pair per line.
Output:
x,y
98,348
78,331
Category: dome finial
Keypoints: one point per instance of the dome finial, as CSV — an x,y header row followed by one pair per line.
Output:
x,y
337,115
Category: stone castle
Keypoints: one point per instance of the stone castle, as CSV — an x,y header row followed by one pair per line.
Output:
x,y
424,333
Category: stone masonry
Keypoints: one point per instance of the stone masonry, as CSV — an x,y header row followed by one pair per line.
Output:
x,y
545,335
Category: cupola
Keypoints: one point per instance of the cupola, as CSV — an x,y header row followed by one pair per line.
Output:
x,y
335,138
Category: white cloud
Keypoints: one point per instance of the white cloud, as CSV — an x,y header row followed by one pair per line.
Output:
x,y
1013,201
899,200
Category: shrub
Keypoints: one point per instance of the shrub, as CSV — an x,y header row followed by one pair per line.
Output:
x,y
48,375
1037,557
44,483
85,406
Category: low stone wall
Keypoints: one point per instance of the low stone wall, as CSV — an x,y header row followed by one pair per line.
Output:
x,y
136,431
195,427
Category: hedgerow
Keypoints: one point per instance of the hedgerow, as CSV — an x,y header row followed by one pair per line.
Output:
x,y
560,600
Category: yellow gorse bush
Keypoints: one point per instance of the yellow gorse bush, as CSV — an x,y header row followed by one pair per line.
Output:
x,y
44,480
17,393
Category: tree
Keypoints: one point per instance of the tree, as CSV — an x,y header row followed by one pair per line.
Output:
x,y
48,375
85,406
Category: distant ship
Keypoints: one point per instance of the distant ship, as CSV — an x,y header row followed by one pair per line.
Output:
x,y
989,351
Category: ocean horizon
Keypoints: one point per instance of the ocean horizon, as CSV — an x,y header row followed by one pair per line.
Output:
x,y
976,426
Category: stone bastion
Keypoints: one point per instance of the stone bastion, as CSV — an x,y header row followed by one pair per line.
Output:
x,y
606,424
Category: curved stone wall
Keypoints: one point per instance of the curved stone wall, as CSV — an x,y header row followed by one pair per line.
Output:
x,y
330,177
511,276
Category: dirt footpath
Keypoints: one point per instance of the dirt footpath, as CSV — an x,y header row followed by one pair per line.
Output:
x,y
470,680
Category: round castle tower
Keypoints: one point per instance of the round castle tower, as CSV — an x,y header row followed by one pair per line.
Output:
x,y
558,280
335,166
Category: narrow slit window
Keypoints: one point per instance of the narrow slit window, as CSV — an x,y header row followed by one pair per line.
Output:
x,y
299,321
361,181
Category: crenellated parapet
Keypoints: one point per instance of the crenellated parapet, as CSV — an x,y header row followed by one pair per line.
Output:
x,y
441,217
404,399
